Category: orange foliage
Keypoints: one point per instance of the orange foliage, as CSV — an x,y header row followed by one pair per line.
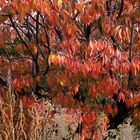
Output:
x,y
80,53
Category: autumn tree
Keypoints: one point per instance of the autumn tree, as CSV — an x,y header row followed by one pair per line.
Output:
x,y
82,54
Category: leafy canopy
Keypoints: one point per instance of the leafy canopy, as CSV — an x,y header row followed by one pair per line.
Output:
x,y
81,54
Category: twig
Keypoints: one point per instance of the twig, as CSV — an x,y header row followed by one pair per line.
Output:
x,y
17,31
121,9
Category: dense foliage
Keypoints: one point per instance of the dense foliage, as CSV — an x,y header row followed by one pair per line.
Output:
x,y
82,54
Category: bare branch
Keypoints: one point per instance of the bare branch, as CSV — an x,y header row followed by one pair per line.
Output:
x,y
121,9
131,78
17,31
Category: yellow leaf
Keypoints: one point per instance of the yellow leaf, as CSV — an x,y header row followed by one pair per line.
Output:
x,y
72,29
59,3
32,47
79,6
62,82
76,87
53,59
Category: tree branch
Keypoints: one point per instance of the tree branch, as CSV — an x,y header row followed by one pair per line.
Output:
x,y
121,9
59,33
108,3
131,78
25,44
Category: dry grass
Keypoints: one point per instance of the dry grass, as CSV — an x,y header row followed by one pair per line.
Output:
x,y
18,121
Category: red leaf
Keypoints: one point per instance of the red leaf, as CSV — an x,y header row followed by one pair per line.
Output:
x,y
108,108
133,69
115,109
3,3
116,86
129,102
121,96
16,84
93,116
28,101
92,91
